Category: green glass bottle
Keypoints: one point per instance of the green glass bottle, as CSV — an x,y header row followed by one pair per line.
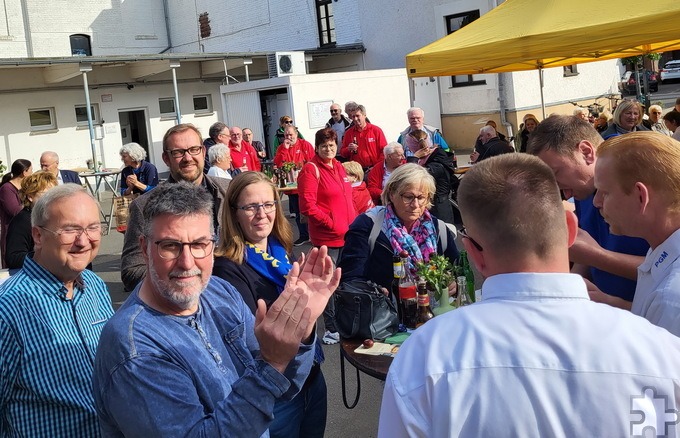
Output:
x,y
469,275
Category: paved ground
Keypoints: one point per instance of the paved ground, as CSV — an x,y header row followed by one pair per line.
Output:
x,y
362,421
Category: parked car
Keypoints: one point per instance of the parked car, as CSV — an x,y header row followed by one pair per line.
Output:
x,y
670,71
629,82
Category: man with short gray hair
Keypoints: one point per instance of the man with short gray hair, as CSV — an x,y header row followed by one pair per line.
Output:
x,y
491,145
184,355
416,120
51,315
363,142
338,122
49,162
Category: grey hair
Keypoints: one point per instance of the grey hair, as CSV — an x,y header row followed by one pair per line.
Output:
x,y
216,129
178,199
392,148
350,106
218,152
413,109
578,111
40,214
134,150
488,130
409,174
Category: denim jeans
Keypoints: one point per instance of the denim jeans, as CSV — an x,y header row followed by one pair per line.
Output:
x,y
294,204
305,415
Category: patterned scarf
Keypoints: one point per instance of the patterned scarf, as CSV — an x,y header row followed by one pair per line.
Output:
x,y
420,244
273,264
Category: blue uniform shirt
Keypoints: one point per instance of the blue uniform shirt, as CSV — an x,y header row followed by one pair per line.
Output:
x,y
590,220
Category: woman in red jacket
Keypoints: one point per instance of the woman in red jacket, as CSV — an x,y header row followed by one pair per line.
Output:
x,y
326,199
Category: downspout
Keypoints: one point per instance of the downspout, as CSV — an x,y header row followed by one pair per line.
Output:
x,y
167,26
27,29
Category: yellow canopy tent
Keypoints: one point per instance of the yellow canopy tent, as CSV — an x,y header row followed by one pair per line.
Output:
x,y
535,34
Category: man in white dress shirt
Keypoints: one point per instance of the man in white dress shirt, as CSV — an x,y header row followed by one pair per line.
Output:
x,y
535,357
637,178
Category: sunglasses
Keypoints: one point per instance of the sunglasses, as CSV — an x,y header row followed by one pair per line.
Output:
x,y
335,111
287,122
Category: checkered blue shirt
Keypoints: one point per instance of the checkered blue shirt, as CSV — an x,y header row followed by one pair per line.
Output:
x,y
47,348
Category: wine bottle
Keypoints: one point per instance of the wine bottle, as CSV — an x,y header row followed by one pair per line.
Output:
x,y
407,293
424,311
398,269
469,276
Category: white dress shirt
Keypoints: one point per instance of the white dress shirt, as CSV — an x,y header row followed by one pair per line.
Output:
x,y
218,172
657,294
534,358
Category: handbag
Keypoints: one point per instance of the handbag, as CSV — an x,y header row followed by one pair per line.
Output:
x,y
362,311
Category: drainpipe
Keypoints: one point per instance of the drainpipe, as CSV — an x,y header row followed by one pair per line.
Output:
x,y
84,69
174,65
27,29
167,26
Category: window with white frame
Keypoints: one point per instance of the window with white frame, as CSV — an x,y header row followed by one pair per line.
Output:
x,y
453,23
81,114
42,119
167,106
203,104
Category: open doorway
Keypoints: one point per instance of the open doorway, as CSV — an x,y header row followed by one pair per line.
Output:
x,y
133,128
274,104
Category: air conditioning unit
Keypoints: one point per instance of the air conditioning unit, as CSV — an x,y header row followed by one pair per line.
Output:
x,y
286,64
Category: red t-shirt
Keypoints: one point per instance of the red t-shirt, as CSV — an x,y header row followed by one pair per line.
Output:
x,y
246,156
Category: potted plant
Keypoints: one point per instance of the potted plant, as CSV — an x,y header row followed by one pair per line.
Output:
x,y
439,273
288,168
2,168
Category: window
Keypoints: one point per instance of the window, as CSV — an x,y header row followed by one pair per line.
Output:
x,y
203,104
570,70
42,119
167,107
80,45
326,22
81,114
453,23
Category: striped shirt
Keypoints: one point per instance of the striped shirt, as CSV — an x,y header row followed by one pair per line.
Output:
x,y
47,349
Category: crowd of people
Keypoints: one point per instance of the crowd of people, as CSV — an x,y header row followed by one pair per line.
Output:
x,y
218,334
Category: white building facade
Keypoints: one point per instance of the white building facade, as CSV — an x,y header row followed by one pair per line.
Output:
x,y
132,47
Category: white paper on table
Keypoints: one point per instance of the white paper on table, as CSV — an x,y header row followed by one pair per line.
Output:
x,y
379,349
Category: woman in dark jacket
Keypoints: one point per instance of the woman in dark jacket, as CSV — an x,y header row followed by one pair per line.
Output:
x,y
440,166
255,255
19,235
407,225
627,118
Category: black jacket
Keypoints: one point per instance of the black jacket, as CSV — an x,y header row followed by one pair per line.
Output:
x,y
494,147
440,166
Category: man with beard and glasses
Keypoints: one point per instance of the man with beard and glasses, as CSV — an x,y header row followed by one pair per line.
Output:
x,y
184,154
184,355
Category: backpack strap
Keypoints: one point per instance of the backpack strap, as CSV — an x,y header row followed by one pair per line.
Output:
x,y
316,169
377,215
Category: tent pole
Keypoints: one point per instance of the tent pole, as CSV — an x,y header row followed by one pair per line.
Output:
x,y
84,68
540,79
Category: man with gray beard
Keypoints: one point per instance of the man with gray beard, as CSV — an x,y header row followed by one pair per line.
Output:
x,y
184,356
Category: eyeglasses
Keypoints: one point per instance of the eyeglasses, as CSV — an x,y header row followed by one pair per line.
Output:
x,y
463,233
287,122
179,153
172,249
408,199
335,111
69,235
252,209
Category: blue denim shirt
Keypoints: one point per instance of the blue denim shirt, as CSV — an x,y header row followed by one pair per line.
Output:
x,y
199,375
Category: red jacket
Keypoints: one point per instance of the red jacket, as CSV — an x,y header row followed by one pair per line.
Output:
x,y
299,153
326,201
371,141
361,198
247,153
374,182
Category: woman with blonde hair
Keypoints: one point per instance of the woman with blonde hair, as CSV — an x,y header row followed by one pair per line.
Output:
x,y
627,118
255,254
529,123
360,195
19,235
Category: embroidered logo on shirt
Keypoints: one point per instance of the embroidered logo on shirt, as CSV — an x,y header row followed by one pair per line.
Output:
x,y
662,257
